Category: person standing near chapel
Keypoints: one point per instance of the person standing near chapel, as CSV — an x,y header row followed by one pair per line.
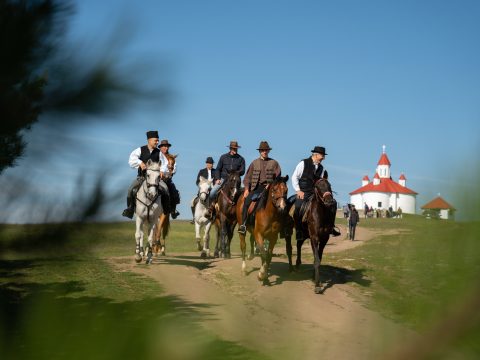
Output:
x,y
230,161
353,220
306,173
261,172
138,160
208,173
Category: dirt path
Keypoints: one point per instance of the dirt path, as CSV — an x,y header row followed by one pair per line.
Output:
x,y
284,319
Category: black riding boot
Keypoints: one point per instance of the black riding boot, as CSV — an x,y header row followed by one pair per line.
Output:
x,y
242,228
334,231
130,210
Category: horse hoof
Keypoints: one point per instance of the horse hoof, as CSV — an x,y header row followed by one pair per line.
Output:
x,y
261,277
291,269
250,257
215,255
162,253
203,255
318,290
138,258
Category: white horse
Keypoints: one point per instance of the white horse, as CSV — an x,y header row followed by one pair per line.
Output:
x,y
148,209
201,219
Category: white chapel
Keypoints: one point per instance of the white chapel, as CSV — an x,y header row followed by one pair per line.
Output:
x,y
383,192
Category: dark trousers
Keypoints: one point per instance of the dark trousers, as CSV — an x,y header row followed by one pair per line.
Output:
x,y
253,195
351,230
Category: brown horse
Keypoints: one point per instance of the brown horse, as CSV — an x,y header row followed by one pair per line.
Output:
x,y
163,223
268,223
317,228
226,213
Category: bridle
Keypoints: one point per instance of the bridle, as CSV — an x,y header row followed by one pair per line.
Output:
x,y
146,185
276,199
233,192
321,197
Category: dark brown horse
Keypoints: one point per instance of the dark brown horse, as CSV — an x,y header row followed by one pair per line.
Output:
x,y
317,228
268,223
163,223
226,213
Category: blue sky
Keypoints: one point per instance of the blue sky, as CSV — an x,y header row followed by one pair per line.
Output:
x,y
348,75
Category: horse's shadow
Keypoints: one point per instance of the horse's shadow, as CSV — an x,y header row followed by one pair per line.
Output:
x,y
186,260
329,275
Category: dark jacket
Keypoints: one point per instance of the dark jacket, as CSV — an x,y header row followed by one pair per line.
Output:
x,y
146,155
204,172
229,162
354,218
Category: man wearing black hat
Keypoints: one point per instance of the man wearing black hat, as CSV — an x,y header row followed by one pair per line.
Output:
x,y
138,159
230,161
303,179
209,173
261,172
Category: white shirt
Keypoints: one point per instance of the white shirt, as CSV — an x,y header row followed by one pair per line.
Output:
x,y
209,174
297,174
134,159
164,165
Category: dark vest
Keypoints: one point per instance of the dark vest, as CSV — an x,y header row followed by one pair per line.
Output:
x,y
145,155
309,175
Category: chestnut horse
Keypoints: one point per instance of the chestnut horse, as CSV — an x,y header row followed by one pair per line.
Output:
x,y
226,213
317,227
163,223
268,223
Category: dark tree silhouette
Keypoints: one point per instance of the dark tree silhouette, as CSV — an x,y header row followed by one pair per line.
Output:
x,y
39,74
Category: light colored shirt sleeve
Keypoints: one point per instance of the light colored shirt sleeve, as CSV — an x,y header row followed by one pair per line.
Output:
x,y
134,159
164,163
297,174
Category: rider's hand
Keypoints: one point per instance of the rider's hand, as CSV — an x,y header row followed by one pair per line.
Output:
x,y
300,194
162,174
143,166
217,182
245,193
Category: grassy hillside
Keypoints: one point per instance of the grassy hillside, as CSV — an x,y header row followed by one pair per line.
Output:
x,y
413,275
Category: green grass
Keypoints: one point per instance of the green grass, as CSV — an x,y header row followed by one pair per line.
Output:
x,y
413,277
418,275
66,301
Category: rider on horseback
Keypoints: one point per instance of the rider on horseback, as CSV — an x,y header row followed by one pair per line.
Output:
x,y
209,173
138,159
166,175
260,173
303,179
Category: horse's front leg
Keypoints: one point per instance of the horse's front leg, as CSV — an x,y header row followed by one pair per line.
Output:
x,y
314,241
253,248
299,253
151,234
262,274
138,240
288,248
197,235
243,249
206,241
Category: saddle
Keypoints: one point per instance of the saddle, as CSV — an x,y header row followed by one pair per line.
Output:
x,y
304,209
252,208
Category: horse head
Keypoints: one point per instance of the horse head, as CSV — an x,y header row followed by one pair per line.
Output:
x,y
278,191
171,163
232,184
323,192
152,179
204,186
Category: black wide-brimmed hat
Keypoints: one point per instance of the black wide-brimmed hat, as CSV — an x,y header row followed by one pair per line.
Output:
x,y
264,146
234,144
319,150
152,134
209,160
164,143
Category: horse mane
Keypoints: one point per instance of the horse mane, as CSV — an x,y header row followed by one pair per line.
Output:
x,y
262,203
